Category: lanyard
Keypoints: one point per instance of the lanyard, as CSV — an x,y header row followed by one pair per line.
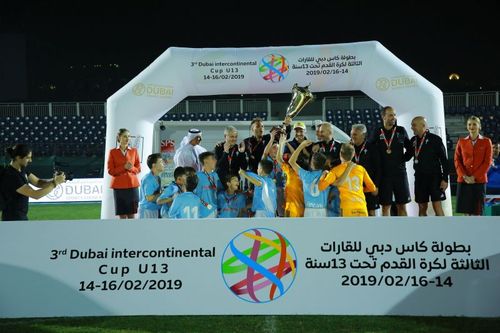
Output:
x,y
323,149
211,180
357,156
418,147
388,143
230,199
230,156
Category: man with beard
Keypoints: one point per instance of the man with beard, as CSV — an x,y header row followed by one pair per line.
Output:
x,y
255,145
394,149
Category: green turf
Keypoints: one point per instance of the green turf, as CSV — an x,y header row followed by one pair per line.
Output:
x,y
240,324
76,211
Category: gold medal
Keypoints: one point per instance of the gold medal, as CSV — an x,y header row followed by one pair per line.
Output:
x,y
388,151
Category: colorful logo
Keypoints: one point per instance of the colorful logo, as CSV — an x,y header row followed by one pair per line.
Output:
x,y
259,265
273,68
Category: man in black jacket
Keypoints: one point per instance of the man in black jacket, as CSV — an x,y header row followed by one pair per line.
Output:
x,y
230,156
367,155
254,145
431,167
394,149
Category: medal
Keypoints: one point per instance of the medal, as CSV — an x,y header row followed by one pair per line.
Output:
x,y
388,142
418,148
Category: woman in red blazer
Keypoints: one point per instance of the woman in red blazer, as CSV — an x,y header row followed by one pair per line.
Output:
x,y
472,160
123,166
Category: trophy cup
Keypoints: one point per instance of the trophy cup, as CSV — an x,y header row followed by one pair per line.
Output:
x,y
301,97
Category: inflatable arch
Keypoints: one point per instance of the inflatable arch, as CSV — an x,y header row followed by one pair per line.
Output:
x,y
181,72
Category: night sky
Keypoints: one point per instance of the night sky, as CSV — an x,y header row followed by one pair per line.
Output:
x,y
65,40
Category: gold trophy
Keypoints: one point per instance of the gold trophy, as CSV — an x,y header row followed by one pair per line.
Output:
x,y
300,98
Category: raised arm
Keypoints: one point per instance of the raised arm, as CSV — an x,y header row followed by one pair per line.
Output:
x,y
250,178
269,145
281,146
293,159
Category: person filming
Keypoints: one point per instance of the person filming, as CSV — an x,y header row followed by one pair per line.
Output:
x,y
15,184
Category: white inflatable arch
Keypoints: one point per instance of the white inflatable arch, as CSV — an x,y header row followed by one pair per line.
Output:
x,y
181,72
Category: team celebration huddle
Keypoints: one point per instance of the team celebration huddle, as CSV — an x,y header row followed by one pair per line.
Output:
x,y
277,175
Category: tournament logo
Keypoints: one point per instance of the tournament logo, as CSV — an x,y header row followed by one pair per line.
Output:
x,y
259,265
273,68
139,89
56,193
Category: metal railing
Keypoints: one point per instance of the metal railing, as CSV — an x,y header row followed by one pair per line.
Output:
x,y
274,108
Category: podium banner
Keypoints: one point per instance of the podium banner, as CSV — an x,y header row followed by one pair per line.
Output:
x,y
430,266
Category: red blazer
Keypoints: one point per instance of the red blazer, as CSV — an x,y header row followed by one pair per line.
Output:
x,y
120,177
473,160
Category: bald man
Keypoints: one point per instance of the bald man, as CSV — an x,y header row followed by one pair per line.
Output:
x,y
431,167
331,149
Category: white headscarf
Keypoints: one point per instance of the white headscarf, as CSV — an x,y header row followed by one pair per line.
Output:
x,y
192,133
186,154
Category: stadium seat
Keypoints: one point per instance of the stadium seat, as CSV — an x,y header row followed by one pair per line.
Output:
x,y
201,116
193,117
210,116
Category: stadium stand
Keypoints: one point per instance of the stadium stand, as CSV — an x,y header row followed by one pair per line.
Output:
x,y
76,130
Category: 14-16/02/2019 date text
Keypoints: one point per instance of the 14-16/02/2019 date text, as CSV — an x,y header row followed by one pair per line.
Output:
x,y
116,285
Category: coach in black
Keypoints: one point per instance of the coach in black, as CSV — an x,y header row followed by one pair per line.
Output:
x,y
254,145
431,167
367,155
394,149
230,156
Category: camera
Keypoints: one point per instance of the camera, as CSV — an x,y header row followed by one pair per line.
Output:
x,y
69,174
58,170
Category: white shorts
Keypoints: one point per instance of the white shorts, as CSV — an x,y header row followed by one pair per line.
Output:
x,y
315,212
263,213
148,214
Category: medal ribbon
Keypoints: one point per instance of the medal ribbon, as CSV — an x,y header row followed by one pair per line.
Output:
x,y
357,156
388,143
418,147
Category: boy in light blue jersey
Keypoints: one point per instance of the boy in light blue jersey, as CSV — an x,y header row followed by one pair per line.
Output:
x,y
231,202
264,197
315,201
208,184
150,188
188,205
271,154
171,191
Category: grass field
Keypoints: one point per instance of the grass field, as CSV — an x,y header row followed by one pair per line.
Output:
x,y
252,324
237,324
